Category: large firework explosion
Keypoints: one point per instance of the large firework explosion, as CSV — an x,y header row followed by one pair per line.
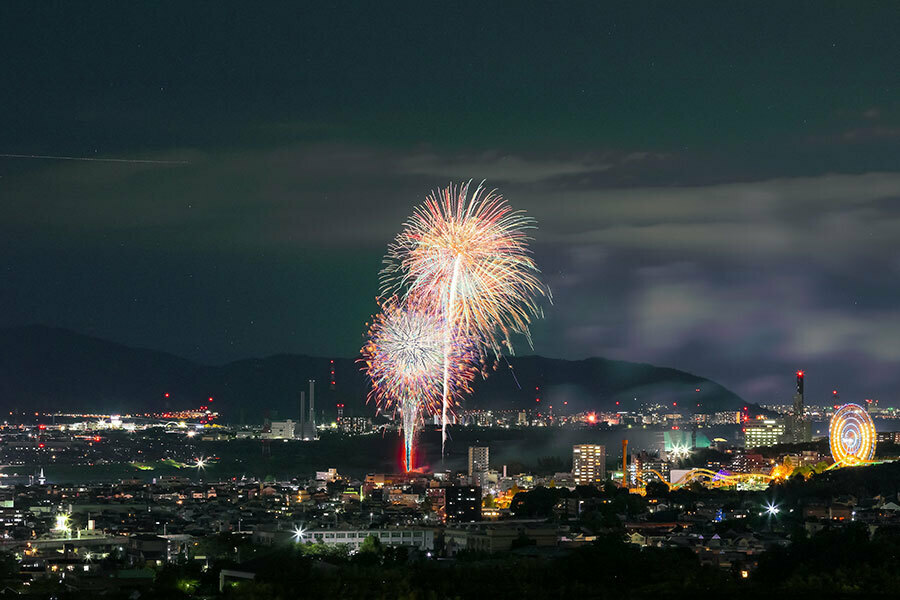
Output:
x,y
405,361
469,256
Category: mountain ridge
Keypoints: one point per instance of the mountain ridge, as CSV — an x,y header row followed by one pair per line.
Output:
x,y
56,369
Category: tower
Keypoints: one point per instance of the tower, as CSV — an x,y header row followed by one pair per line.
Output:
x,y
301,432
312,409
798,396
800,430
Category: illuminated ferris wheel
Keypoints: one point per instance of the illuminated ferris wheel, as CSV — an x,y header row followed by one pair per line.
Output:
x,y
852,436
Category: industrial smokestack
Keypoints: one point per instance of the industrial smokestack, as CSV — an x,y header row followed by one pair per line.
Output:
x,y
800,382
625,463
312,408
302,415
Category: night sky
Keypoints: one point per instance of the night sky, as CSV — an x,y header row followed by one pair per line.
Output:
x,y
718,189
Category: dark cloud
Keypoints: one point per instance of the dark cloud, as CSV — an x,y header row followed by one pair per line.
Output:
x,y
717,189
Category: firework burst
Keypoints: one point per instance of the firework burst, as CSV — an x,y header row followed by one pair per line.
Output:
x,y
405,358
469,256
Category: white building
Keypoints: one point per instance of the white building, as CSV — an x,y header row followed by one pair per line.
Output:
x,y
282,430
423,539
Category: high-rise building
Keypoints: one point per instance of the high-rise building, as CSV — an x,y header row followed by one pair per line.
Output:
x,y
589,464
652,469
766,432
479,460
462,504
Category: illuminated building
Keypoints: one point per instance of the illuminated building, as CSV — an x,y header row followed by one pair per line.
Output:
x,y
355,425
767,432
726,417
589,464
462,504
749,463
282,430
888,437
479,460
652,469
423,539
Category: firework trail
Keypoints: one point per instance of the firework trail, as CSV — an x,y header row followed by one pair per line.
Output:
x,y
405,361
469,256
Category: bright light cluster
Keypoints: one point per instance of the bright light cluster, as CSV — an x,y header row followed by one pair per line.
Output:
x,y
851,434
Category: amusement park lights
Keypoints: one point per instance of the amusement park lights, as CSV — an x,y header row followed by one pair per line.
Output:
x,y
851,434
680,451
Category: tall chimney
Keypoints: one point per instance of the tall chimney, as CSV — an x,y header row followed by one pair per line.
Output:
x,y
624,463
302,416
312,408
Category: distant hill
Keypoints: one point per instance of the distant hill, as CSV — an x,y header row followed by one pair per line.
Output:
x,y
51,369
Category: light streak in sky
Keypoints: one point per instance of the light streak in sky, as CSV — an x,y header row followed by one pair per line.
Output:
x,y
91,159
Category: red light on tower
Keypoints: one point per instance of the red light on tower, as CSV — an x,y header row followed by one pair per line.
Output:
x,y
799,373
166,395
210,399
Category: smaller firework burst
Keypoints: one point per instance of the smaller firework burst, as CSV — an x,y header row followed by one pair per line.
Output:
x,y
404,358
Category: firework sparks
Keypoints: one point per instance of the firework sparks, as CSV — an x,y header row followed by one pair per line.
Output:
x,y
405,359
469,256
